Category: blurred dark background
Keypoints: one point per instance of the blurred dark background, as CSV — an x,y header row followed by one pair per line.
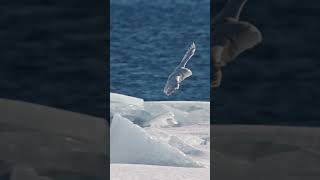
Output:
x,y
55,53
278,81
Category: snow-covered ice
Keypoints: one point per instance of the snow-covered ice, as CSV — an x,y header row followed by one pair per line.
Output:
x,y
147,172
159,140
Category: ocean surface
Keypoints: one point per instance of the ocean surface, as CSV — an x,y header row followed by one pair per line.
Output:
x,y
149,38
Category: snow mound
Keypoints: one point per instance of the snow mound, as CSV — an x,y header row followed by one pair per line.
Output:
x,y
183,146
129,107
159,113
185,112
165,133
120,98
163,120
131,144
134,113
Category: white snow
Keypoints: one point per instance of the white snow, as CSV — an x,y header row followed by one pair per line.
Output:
x,y
120,98
147,172
130,143
163,120
159,140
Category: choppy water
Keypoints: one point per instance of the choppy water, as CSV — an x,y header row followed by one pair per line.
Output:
x,y
149,38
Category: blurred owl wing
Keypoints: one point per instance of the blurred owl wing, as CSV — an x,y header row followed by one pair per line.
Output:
x,y
188,55
185,72
241,36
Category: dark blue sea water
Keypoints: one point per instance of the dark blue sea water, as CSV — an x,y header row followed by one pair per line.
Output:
x,y
149,38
